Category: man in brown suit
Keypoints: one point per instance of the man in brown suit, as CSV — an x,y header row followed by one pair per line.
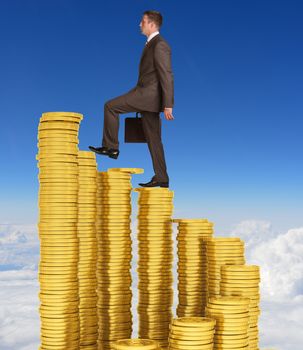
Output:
x,y
154,93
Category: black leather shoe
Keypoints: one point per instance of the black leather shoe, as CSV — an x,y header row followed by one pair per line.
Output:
x,y
111,152
154,183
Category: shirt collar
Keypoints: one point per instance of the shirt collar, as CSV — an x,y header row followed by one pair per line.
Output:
x,y
152,35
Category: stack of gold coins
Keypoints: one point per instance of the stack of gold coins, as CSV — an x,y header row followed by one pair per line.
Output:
x,y
136,344
192,265
221,251
87,168
58,268
243,280
192,333
232,316
155,257
114,255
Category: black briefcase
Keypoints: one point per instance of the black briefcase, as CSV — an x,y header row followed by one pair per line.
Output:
x,y
134,130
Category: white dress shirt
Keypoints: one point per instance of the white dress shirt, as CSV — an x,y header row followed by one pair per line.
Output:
x,y
151,36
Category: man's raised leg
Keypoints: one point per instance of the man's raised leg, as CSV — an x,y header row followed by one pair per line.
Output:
x,y
110,141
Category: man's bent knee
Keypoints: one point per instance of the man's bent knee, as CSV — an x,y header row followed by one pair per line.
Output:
x,y
107,104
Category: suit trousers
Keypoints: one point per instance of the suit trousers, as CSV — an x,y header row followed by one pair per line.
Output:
x,y
151,127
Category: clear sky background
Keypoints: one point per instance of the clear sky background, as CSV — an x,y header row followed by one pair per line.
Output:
x,y
233,151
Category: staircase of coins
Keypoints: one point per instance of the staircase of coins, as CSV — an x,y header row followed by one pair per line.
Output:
x,y
86,257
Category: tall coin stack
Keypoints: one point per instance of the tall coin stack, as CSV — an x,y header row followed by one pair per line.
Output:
x,y
192,265
243,280
59,249
136,344
231,315
86,230
222,251
155,257
114,255
192,333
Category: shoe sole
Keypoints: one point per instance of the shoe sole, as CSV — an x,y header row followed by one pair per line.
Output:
x,y
105,154
165,186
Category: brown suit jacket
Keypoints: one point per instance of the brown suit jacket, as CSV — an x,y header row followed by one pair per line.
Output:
x,y
155,86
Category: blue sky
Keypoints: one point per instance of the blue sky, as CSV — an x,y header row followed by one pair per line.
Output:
x,y
234,149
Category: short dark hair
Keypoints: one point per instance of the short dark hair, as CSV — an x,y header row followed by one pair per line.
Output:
x,y
154,16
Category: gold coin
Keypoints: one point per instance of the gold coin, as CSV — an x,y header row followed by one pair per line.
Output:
x,y
56,170
127,170
223,249
156,199
57,147
226,300
57,140
191,221
236,276
227,311
246,284
115,178
53,115
146,209
57,134
115,187
47,166
86,155
156,214
54,233
52,124
152,190
203,343
106,174
155,205
200,322
165,229
202,347
66,158
139,344
183,338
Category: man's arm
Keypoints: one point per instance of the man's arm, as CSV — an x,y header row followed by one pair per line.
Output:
x,y
163,65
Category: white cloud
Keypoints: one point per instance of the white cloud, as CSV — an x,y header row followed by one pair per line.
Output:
x,y
19,317
281,324
19,246
279,255
253,232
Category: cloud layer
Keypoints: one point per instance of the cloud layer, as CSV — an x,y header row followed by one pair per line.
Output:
x,y
19,246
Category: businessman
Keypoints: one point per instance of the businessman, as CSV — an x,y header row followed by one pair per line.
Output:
x,y
154,93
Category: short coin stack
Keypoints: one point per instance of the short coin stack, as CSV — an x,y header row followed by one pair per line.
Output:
x,y
86,230
222,251
58,268
114,255
192,265
231,315
243,280
155,206
192,333
136,344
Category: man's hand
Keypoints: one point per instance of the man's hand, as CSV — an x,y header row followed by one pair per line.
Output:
x,y
168,113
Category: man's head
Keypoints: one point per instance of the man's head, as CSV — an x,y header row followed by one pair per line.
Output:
x,y
151,22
